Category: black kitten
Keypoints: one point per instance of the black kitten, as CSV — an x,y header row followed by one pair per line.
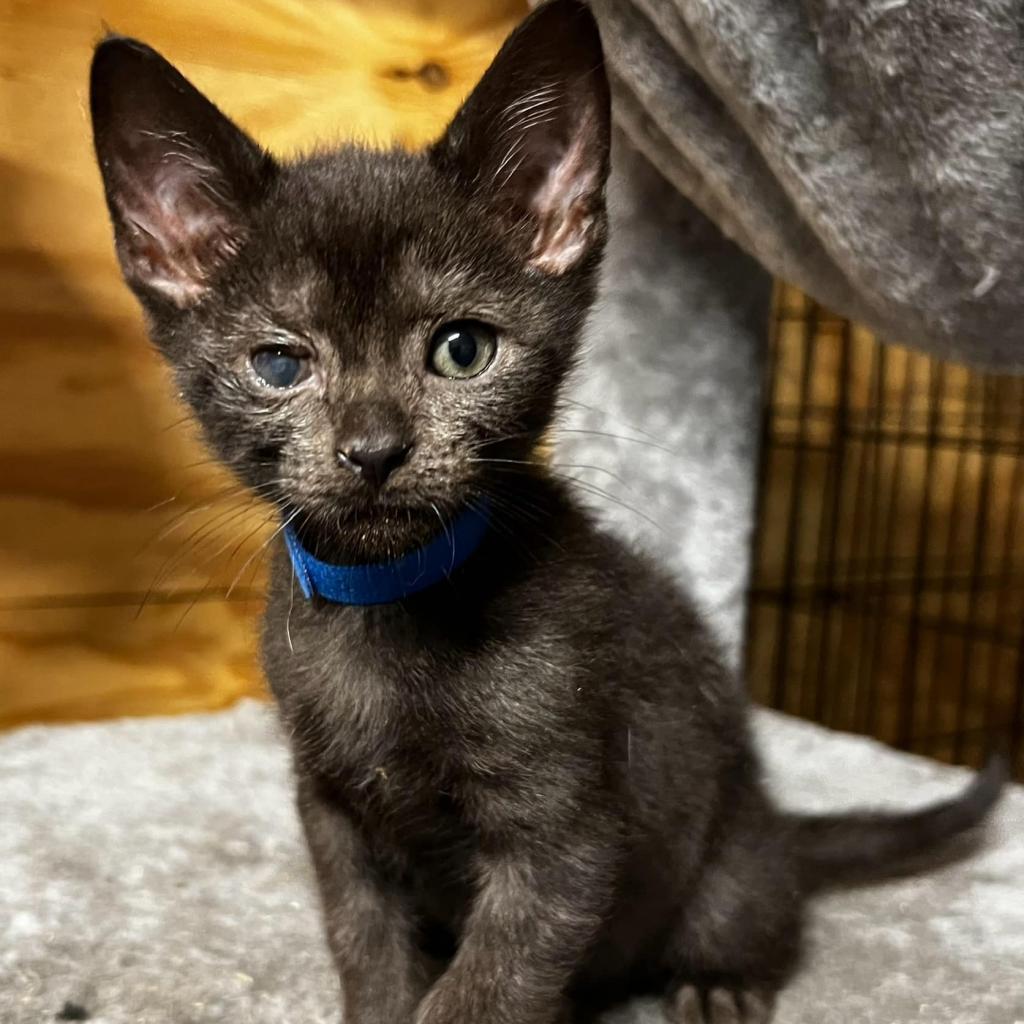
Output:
x,y
528,788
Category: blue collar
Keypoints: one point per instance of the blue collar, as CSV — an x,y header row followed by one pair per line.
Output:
x,y
384,582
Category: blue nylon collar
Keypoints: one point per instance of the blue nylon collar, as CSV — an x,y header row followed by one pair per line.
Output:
x,y
384,582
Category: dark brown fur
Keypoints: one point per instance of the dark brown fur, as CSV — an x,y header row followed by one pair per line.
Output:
x,y
530,789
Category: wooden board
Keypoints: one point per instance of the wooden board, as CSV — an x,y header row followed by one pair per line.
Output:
x,y
107,500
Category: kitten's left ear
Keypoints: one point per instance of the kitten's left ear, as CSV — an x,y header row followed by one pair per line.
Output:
x,y
533,137
179,176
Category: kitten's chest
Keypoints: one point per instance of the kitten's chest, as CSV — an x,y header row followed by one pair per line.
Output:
x,y
404,731
434,712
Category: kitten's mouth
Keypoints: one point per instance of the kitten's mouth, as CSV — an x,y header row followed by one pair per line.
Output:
x,y
377,531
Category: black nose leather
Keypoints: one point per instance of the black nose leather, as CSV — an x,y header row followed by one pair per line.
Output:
x,y
374,465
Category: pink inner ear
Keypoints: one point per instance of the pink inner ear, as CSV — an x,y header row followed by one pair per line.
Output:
x,y
178,227
563,208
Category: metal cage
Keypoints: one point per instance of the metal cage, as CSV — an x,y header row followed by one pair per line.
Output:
x,y
887,593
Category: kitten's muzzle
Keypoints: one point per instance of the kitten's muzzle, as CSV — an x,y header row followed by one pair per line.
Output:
x,y
373,462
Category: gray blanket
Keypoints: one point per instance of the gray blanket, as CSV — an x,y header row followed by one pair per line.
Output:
x,y
869,151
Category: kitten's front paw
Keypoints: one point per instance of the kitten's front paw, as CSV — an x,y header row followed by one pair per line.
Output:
x,y
695,1004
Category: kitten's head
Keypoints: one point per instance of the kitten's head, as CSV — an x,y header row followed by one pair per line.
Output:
x,y
364,335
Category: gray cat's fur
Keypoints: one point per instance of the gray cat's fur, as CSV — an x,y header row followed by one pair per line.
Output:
x,y
530,790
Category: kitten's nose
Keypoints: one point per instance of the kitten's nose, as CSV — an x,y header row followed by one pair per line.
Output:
x,y
374,464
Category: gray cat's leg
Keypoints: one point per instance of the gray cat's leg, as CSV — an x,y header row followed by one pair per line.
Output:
x,y
369,930
536,912
738,939
693,1004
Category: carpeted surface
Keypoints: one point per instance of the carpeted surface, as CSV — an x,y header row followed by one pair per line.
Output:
x,y
151,871
670,390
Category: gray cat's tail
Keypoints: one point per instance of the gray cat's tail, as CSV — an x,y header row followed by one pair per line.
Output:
x,y
841,849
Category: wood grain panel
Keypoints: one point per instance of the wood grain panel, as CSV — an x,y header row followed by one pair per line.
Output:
x,y
107,499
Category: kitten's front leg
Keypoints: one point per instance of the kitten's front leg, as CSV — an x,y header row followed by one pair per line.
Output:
x,y
369,931
536,912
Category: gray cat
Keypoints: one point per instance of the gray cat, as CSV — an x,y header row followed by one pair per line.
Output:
x,y
525,776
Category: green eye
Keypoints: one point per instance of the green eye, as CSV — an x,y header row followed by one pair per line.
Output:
x,y
463,349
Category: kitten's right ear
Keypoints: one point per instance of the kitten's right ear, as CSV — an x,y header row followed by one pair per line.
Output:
x,y
179,176
533,137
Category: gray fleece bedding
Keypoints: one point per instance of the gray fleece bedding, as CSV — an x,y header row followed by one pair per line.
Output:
x,y
151,872
869,151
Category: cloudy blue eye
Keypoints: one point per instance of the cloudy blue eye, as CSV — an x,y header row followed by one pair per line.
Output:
x,y
463,349
280,367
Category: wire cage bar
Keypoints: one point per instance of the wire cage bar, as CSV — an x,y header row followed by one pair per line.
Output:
x,y
887,593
